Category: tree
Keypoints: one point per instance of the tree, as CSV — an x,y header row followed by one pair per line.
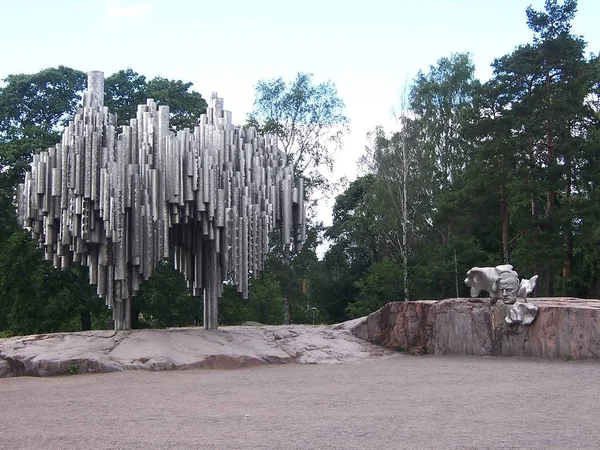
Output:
x,y
165,301
441,101
41,101
376,288
265,304
293,270
309,121
546,84
354,249
36,298
515,174
403,190
492,174
126,89
123,91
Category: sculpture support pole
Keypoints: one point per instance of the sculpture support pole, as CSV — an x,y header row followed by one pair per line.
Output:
x,y
210,291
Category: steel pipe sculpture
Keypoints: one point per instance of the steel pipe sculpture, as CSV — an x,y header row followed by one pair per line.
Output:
x,y
120,200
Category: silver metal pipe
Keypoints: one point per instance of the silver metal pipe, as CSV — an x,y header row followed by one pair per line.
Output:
x,y
212,196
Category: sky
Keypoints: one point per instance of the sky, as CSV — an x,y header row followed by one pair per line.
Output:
x,y
369,49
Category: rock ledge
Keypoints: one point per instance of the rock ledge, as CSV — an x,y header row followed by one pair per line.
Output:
x,y
565,328
181,348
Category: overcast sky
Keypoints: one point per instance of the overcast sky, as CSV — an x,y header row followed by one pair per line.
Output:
x,y
369,49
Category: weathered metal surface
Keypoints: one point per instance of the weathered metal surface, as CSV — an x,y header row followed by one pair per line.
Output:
x,y
121,200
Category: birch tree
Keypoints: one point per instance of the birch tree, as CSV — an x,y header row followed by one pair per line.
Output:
x,y
309,121
404,190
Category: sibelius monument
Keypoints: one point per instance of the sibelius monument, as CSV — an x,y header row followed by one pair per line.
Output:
x,y
121,199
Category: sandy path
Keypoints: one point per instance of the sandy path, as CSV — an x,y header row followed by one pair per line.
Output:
x,y
401,402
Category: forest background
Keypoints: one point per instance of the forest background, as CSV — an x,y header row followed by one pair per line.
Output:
x,y
472,174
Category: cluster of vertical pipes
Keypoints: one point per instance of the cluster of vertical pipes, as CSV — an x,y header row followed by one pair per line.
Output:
x,y
120,200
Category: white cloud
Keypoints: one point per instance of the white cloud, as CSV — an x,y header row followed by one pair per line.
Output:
x,y
115,8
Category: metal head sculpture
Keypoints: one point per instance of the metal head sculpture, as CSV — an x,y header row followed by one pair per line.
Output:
x,y
119,201
501,282
505,287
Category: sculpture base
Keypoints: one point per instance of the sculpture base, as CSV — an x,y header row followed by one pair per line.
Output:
x,y
565,328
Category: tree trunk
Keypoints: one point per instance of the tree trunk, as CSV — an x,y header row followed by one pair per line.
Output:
x,y
287,304
405,219
550,189
262,312
135,315
568,237
550,192
550,157
567,263
549,281
86,321
536,267
530,177
456,271
287,310
504,215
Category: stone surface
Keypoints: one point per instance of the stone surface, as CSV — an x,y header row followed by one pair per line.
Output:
x,y
182,348
567,328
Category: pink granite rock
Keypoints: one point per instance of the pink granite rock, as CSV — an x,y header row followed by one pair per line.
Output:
x,y
183,348
567,328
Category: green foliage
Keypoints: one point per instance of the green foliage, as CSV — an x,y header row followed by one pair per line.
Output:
x,y
264,305
441,99
382,284
554,20
510,173
546,85
74,369
35,297
309,121
126,89
475,174
353,250
293,271
164,301
41,101
185,106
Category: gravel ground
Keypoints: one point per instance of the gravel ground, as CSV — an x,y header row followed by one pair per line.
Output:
x,y
400,402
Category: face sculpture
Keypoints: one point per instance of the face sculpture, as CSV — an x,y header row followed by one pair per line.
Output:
x,y
506,288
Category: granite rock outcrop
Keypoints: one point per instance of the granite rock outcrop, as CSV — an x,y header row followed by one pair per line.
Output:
x,y
181,348
566,328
